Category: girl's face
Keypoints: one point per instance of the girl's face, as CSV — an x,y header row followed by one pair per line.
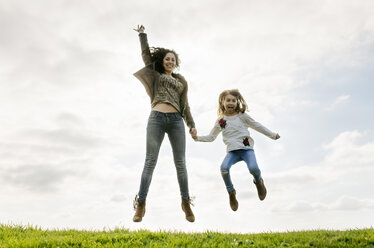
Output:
x,y
230,103
169,63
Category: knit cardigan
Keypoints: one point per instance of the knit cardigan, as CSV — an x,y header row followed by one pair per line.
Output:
x,y
150,79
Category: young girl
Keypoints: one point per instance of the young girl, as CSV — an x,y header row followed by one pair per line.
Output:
x,y
234,123
168,94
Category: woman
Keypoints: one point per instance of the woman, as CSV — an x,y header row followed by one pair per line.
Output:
x,y
168,94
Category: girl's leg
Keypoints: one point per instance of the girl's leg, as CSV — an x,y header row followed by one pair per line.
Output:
x,y
177,137
230,159
250,159
155,135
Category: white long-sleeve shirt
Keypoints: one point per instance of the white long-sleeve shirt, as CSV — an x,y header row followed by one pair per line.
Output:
x,y
235,131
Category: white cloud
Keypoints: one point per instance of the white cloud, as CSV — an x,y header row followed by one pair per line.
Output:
x,y
347,203
339,101
73,117
345,150
343,203
343,174
42,178
300,206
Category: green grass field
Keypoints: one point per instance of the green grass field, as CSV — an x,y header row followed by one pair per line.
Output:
x,y
21,236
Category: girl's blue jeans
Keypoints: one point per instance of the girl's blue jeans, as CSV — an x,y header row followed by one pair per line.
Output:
x,y
158,124
232,157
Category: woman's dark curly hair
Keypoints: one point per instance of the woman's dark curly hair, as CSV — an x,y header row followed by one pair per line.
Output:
x,y
158,54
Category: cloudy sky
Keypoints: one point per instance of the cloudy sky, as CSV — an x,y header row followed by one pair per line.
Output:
x,y
73,117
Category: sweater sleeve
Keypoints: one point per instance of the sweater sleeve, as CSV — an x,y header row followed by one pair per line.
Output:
x,y
146,75
186,112
187,116
146,53
212,135
250,122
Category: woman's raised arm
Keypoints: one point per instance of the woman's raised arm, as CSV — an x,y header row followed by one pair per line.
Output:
x,y
140,29
146,53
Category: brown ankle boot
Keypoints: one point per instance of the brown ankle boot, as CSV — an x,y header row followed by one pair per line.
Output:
x,y
187,210
140,210
261,190
233,202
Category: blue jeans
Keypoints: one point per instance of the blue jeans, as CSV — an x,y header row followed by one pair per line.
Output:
x,y
158,124
248,156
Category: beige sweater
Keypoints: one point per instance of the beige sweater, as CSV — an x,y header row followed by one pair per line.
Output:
x,y
150,78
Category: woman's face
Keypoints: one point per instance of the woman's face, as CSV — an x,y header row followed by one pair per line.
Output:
x,y
169,63
229,103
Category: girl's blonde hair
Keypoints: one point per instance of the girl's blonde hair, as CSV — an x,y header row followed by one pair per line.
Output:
x,y
241,107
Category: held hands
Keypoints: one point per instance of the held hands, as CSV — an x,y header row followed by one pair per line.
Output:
x,y
193,133
140,29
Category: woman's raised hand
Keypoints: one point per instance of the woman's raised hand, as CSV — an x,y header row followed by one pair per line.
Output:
x,y
140,29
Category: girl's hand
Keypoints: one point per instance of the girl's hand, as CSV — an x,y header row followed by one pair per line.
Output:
x,y
277,136
140,29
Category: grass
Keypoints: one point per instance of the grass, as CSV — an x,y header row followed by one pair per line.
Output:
x,y
22,236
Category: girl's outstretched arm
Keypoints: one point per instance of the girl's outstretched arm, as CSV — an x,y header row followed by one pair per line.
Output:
x,y
211,136
258,126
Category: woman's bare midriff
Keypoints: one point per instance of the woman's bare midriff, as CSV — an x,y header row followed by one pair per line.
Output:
x,y
164,108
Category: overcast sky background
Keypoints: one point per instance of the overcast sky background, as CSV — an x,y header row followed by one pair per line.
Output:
x,y
73,117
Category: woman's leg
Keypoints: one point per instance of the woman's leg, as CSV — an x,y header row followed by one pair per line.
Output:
x,y
177,137
155,136
230,159
250,159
